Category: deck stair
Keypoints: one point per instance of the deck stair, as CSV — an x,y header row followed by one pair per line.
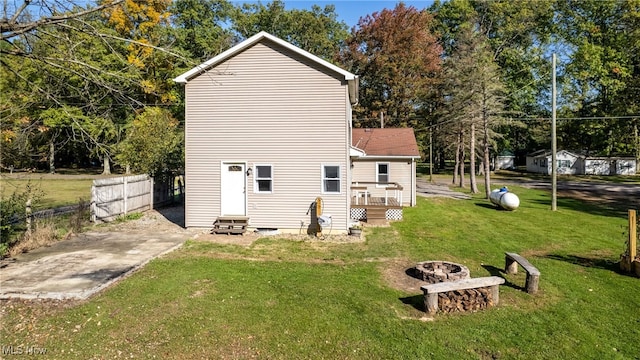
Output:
x,y
230,225
376,215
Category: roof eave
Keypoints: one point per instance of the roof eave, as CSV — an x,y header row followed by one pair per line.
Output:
x,y
391,157
355,152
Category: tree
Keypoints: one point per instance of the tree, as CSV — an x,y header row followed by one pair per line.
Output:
x,y
601,75
398,59
199,27
473,92
154,144
317,30
518,33
17,21
106,61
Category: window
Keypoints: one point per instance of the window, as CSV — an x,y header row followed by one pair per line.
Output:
x,y
264,179
564,163
382,173
543,162
331,179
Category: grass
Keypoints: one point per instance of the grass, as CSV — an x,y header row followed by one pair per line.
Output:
x,y
55,192
315,299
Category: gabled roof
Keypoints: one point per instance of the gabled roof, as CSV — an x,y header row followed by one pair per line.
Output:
x,y
261,36
547,153
386,142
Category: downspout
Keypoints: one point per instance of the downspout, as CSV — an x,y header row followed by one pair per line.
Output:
x,y
413,182
353,88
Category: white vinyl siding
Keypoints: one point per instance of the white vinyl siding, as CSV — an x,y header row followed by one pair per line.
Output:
x,y
266,105
402,171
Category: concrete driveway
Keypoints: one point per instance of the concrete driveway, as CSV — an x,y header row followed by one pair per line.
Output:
x,y
87,263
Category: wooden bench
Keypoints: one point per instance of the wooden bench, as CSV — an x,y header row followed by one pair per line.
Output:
x,y
431,291
511,261
230,225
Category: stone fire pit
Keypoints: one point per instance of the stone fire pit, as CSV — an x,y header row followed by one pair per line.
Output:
x,y
440,271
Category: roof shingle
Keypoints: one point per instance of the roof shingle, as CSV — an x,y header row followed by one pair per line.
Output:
x,y
386,141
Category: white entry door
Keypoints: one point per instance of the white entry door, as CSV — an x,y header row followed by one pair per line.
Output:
x,y
232,190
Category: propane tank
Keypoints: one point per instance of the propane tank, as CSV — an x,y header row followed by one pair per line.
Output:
x,y
504,199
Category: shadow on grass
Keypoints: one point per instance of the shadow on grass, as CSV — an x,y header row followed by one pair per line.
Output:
x,y
416,301
596,263
609,208
494,271
489,206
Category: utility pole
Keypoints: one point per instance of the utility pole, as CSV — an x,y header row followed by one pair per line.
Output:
x,y
381,119
554,164
431,154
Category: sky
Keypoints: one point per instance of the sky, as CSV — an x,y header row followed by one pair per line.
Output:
x,y
350,11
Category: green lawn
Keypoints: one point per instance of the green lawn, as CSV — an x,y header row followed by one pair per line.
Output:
x,y
49,192
52,192
317,299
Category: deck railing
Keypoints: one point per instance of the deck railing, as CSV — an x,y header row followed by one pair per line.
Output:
x,y
361,192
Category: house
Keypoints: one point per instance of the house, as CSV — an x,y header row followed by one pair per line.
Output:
x,y
610,165
568,162
268,138
383,161
505,160
597,166
624,166
575,164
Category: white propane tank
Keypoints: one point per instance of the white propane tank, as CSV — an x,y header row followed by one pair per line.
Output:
x,y
505,199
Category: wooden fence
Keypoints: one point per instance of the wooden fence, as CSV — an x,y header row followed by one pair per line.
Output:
x,y
114,197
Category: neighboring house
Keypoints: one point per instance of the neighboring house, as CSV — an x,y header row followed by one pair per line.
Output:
x,y
574,164
597,166
610,166
568,162
624,166
505,160
267,131
385,160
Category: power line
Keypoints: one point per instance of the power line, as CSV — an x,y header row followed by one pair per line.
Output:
x,y
518,119
580,118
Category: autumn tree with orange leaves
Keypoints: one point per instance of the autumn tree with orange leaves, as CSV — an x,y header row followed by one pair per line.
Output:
x,y
398,60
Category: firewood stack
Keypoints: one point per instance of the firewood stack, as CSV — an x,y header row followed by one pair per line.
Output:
x,y
465,300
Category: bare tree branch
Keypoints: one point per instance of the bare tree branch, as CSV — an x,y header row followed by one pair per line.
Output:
x,y
11,28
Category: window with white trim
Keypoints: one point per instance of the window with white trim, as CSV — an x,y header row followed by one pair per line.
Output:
x,y
382,173
264,179
331,179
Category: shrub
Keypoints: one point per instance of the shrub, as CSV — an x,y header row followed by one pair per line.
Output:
x,y
80,217
13,215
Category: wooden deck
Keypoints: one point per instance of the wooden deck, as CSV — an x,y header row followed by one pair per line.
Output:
x,y
375,202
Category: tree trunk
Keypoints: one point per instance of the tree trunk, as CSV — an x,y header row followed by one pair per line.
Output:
x,y
52,157
462,156
457,163
472,159
635,133
486,158
127,169
106,166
